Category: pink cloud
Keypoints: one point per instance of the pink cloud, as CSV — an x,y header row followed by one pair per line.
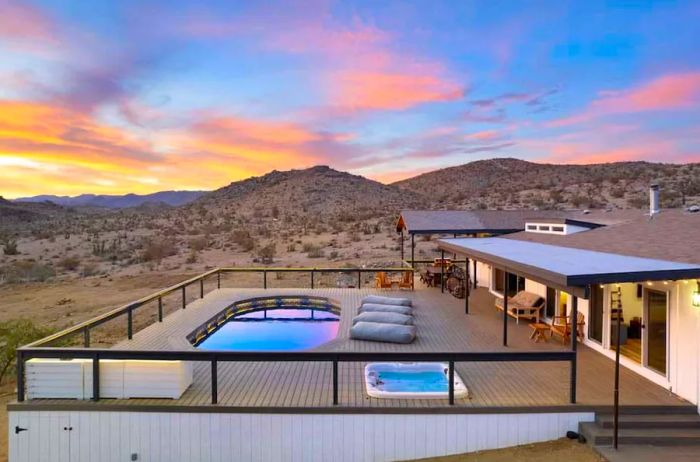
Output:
x,y
23,22
670,92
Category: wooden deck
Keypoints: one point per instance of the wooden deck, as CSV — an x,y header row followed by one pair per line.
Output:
x,y
442,326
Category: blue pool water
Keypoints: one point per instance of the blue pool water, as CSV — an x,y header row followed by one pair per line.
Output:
x,y
413,381
283,330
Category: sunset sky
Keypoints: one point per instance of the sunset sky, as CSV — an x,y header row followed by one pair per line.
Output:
x,y
136,96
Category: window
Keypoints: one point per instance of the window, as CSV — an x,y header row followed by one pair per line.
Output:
x,y
558,229
515,283
544,228
532,227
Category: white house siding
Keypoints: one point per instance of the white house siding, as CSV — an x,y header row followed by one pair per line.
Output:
x,y
483,274
191,437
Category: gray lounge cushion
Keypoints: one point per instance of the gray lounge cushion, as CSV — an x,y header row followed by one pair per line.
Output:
x,y
374,307
381,332
378,299
383,316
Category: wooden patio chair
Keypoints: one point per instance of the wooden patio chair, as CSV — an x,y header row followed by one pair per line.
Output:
x,y
561,327
406,281
381,281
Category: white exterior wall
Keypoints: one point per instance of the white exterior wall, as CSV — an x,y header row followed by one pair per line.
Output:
x,y
169,437
483,274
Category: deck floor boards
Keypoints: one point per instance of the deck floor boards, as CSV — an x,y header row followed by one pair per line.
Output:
x,y
442,326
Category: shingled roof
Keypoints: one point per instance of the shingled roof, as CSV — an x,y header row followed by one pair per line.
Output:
x,y
483,221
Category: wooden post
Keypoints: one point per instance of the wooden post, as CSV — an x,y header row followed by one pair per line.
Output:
x,y
574,344
413,249
442,271
505,308
218,279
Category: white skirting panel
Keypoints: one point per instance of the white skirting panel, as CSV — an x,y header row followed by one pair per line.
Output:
x,y
167,437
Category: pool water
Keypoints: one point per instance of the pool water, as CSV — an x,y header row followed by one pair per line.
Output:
x,y
413,381
274,330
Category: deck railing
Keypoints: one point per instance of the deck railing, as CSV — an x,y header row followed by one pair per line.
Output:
x,y
42,349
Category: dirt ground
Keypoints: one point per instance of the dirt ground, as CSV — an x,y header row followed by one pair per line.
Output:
x,y
550,451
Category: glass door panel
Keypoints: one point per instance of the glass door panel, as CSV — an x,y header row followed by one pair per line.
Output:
x,y
656,330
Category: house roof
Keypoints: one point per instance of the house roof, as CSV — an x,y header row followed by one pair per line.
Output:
x,y
568,266
477,221
671,235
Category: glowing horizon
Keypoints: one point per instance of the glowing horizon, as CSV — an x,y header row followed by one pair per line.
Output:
x,y
135,97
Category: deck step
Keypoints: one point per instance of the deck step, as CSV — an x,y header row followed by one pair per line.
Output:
x,y
651,421
656,429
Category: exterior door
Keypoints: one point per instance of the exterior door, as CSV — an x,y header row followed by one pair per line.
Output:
x,y
655,338
39,437
595,313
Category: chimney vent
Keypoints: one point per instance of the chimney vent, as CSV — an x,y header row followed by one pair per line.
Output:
x,y
654,206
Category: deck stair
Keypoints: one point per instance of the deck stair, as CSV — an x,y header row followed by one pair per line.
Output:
x,y
661,427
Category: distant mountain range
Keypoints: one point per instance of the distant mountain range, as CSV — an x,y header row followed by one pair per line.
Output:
x,y
172,198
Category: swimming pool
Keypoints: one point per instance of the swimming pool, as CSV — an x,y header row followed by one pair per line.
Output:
x,y
274,324
411,381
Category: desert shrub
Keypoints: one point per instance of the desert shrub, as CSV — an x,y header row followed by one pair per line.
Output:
x,y
267,253
192,257
9,246
199,243
315,252
69,263
291,247
333,255
307,247
243,240
26,271
157,249
14,334
89,269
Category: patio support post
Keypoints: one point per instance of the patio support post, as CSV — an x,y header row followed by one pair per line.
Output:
x,y
312,279
264,279
442,271
218,279
475,282
413,249
574,335
129,324
359,277
505,308
335,382
451,386
466,285
616,398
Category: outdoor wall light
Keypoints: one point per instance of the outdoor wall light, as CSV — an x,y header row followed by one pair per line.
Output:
x,y
696,296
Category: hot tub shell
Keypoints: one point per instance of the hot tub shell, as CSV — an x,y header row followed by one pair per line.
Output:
x,y
375,390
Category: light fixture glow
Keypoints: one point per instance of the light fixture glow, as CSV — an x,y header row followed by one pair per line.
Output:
x,y
696,296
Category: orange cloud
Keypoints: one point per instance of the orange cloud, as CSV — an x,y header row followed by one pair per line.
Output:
x,y
387,90
669,92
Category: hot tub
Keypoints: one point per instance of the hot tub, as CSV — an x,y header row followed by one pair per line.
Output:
x,y
411,381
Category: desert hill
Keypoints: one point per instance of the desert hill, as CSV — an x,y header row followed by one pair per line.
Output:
x,y
514,183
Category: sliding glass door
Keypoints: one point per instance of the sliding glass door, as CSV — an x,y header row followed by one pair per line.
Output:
x,y
656,331
595,315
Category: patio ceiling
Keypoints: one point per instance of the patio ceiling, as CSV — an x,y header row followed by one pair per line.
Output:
x,y
566,266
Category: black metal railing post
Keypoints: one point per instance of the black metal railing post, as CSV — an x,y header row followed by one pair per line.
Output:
x,y
574,344
451,378
264,279
312,278
184,296
86,337
201,288
160,309
129,323
505,308
214,382
335,381
359,279
442,271
96,377
20,376
218,279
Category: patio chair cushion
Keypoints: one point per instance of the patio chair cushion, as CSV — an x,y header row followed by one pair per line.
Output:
x,y
381,332
383,316
378,299
374,307
522,299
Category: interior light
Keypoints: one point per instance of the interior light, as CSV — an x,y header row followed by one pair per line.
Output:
x,y
665,283
649,283
696,295
602,286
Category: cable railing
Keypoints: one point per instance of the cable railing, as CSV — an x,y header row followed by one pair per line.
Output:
x,y
42,348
